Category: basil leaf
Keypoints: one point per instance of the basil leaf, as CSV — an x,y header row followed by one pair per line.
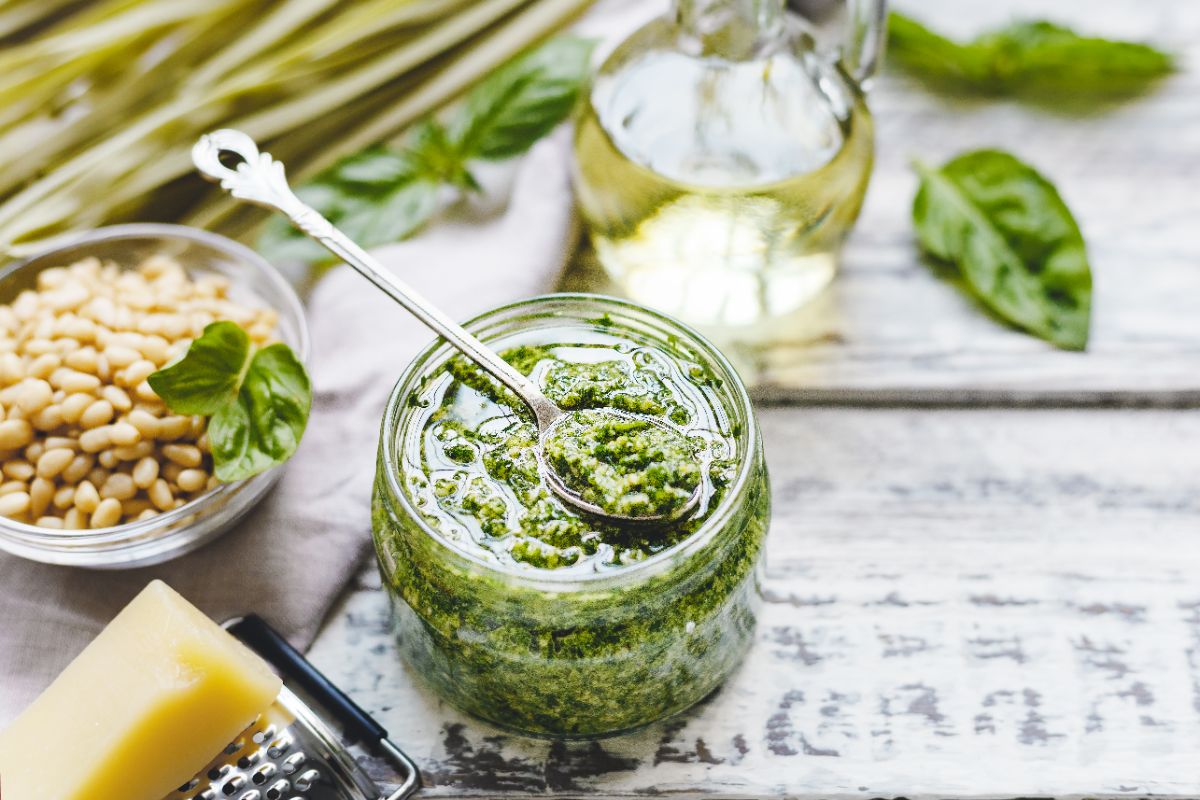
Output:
x,y
370,219
383,195
1013,239
523,100
257,401
263,426
1038,60
208,375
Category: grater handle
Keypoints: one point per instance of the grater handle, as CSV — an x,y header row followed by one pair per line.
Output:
x,y
255,633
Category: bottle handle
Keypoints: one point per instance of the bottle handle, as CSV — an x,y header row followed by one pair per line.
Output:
x,y
866,37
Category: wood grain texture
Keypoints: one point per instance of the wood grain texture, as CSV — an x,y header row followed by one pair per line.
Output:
x,y
893,329
967,603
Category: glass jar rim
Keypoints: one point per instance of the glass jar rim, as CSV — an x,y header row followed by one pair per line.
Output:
x,y
556,580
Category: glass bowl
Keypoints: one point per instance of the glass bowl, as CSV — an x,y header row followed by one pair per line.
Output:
x,y
252,281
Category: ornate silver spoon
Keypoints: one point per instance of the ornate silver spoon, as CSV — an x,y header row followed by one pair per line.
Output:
x,y
259,179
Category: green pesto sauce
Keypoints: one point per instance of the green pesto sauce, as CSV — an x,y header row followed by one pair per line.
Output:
x,y
622,464
617,647
479,481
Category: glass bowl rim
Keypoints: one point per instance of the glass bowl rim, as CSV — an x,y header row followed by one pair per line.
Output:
x,y
554,580
140,532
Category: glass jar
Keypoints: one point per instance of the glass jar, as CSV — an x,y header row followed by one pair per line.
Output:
x,y
560,652
722,158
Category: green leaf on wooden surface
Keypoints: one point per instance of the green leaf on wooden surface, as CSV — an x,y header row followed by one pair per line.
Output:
x,y
1013,239
1039,60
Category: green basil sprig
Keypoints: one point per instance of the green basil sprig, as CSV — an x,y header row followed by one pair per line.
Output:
x,y
383,194
1013,239
1038,60
257,399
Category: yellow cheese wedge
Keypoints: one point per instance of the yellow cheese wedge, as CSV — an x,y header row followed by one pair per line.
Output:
x,y
143,708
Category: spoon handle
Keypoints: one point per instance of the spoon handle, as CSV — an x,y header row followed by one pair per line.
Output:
x,y
258,178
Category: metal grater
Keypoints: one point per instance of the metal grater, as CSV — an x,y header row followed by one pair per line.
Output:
x,y
291,752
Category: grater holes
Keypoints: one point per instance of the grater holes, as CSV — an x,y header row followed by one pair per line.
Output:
x,y
253,794
263,774
187,787
266,733
293,762
277,789
249,760
234,746
305,781
207,794
279,746
215,773
233,785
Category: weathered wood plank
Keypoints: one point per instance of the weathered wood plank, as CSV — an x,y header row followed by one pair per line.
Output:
x,y
968,603
892,329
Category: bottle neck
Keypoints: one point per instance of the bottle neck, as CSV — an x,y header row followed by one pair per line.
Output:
x,y
734,29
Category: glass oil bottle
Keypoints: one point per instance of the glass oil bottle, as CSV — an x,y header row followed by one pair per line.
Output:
x,y
723,157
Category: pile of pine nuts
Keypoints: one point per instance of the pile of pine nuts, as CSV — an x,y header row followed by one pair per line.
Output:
x,y
84,441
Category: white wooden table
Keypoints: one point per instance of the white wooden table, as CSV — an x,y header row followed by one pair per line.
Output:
x,y
984,565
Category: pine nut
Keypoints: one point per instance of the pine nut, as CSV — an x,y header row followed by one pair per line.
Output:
x,y
185,455
36,394
174,427
121,357
14,504
71,381
78,469
97,414
95,440
41,492
43,365
53,462
64,498
19,470
192,480
160,494
107,514
75,520
108,459
8,487
74,406
117,398
82,360
48,419
123,434
86,497
134,452
146,423
49,522
118,485
15,433
145,472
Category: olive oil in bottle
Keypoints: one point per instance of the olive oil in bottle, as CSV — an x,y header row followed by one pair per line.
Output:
x,y
720,162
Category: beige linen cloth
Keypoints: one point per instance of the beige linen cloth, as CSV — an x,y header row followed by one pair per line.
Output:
x,y
289,559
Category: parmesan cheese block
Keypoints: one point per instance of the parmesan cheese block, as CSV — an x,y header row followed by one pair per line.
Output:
x,y
145,706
